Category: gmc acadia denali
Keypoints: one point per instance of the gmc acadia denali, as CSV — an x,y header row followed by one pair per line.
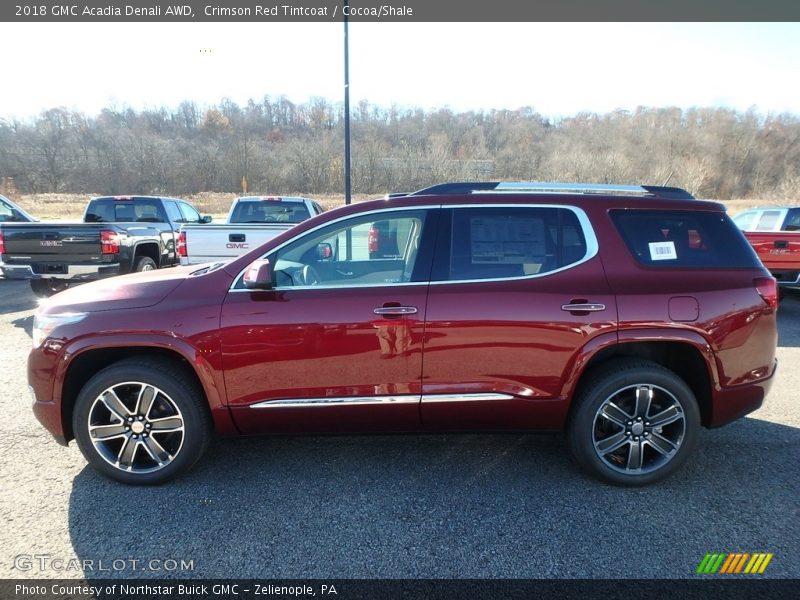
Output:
x,y
628,316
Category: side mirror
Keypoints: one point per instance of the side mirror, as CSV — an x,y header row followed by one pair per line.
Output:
x,y
258,275
324,251
206,219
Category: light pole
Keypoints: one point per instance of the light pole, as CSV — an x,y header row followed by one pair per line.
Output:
x,y
347,189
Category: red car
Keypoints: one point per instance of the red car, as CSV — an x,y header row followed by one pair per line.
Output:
x,y
628,316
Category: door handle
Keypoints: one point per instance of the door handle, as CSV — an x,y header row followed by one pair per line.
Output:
x,y
587,307
395,310
236,237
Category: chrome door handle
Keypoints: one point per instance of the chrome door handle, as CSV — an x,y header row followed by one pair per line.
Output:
x,y
395,310
583,307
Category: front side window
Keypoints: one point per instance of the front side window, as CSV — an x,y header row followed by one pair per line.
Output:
x,y
375,249
501,242
190,215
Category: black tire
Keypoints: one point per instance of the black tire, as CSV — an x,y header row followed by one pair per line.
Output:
x,y
44,288
144,263
152,450
638,398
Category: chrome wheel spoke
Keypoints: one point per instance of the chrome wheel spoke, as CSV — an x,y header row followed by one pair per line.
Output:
x,y
115,405
614,413
156,451
145,401
635,456
127,453
662,444
107,432
667,416
611,443
644,396
166,424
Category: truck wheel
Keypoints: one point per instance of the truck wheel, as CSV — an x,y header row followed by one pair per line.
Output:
x,y
144,263
44,288
142,421
633,422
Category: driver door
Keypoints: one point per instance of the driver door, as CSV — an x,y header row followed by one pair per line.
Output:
x,y
336,345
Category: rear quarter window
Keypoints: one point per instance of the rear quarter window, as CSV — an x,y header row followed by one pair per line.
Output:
x,y
665,239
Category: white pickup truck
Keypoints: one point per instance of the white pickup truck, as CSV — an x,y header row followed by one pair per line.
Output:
x,y
252,220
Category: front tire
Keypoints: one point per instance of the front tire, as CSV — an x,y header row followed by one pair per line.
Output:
x,y
142,421
634,422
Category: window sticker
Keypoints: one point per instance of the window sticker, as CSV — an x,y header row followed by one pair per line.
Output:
x,y
662,251
504,241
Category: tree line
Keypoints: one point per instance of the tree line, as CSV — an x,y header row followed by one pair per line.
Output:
x,y
278,146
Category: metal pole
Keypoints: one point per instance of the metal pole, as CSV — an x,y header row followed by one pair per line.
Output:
x,y
347,189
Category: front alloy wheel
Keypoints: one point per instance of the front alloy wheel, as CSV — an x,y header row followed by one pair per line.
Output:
x,y
633,422
142,420
136,427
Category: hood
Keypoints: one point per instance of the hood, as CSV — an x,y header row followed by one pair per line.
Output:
x,y
137,290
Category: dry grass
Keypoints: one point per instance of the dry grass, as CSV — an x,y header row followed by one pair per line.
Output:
x,y
71,206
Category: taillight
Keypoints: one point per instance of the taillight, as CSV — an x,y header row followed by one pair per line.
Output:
x,y
2,244
373,239
767,288
180,246
109,242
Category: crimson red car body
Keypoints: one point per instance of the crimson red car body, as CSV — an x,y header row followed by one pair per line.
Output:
x,y
505,353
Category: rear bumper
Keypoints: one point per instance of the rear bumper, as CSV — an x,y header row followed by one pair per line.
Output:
x,y
732,403
787,278
57,271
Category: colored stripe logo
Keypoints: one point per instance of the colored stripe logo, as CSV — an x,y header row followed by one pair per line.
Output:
x,y
733,563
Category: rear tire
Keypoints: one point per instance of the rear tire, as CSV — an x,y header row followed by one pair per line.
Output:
x,y
144,263
44,288
142,421
633,422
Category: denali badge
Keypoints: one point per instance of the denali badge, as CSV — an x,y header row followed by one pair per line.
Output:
x,y
51,243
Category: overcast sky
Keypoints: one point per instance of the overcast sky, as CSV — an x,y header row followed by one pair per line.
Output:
x,y
558,69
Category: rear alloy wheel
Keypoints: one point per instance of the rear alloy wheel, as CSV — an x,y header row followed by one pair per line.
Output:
x,y
141,422
144,263
634,423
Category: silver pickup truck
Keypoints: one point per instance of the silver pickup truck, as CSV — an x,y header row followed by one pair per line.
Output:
x,y
252,220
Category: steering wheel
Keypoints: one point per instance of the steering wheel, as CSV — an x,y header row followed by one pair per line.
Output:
x,y
310,276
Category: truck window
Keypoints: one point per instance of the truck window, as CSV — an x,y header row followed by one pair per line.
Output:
x,y
124,210
769,220
172,212
269,211
190,215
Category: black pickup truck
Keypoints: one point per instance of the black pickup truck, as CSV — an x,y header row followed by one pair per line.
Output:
x,y
119,234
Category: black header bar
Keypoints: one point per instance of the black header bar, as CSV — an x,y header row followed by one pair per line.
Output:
x,y
398,10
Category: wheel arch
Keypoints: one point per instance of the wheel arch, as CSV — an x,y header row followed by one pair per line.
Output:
x,y
687,354
149,249
88,361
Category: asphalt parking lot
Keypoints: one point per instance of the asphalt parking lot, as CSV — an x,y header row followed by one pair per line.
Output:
x,y
433,506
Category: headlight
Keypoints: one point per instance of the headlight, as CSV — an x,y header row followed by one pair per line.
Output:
x,y
44,325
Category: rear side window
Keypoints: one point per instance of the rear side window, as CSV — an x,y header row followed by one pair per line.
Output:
x,y
684,239
502,242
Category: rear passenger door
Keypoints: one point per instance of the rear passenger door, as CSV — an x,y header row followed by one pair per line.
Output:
x,y
517,291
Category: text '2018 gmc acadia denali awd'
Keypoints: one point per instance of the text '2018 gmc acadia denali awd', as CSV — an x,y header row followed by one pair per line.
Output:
x,y
628,316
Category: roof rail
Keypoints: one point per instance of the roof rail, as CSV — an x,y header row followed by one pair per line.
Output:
x,y
536,187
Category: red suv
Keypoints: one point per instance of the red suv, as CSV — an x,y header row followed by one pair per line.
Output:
x,y
627,316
